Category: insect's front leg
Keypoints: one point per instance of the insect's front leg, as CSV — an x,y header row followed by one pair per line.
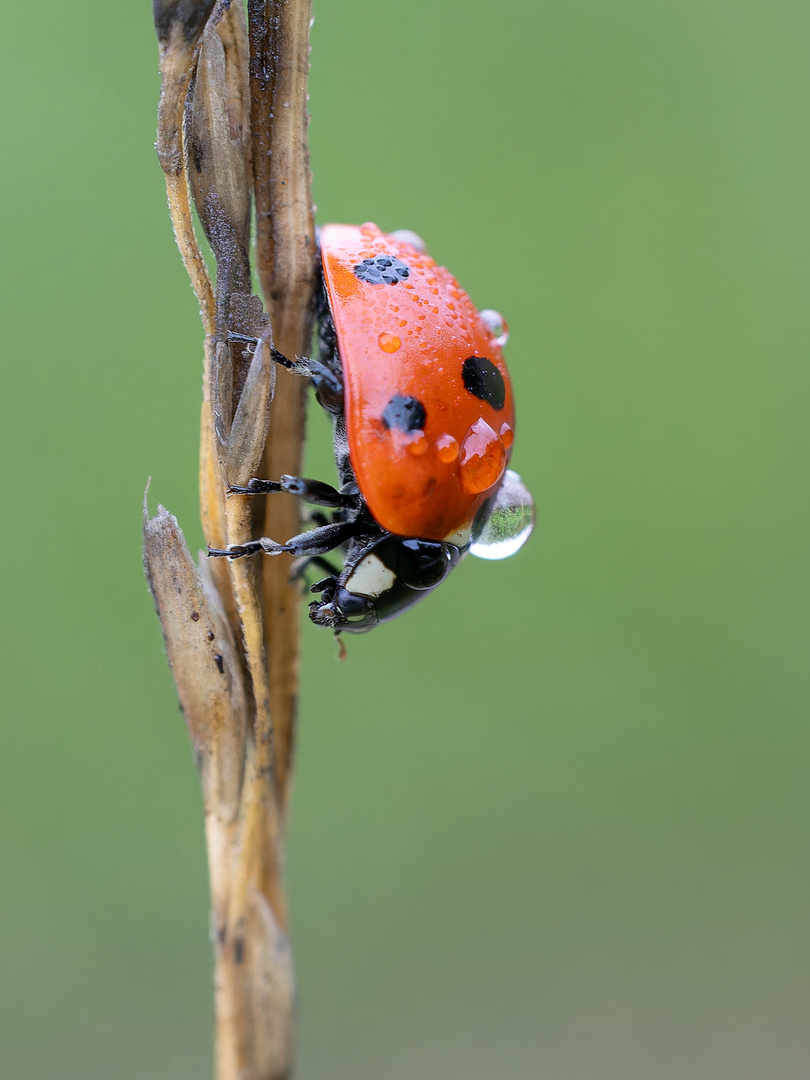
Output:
x,y
311,491
327,383
306,545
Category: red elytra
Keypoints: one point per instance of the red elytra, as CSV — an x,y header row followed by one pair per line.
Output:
x,y
411,340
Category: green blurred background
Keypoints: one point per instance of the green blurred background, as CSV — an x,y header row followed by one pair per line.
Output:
x,y
554,823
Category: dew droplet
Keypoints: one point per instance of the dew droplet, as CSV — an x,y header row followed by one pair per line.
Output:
x,y
507,435
482,458
496,324
446,449
405,236
507,521
417,444
388,342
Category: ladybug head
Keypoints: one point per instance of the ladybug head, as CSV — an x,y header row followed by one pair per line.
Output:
x,y
382,579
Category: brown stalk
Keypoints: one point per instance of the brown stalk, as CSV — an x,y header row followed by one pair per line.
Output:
x,y
232,126
285,264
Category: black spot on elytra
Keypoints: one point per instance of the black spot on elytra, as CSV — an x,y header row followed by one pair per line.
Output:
x,y
382,270
484,381
404,414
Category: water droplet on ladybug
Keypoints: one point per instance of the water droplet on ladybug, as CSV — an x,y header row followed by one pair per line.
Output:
x,y
388,342
406,236
446,449
417,444
507,435
482,458
496,324
505,522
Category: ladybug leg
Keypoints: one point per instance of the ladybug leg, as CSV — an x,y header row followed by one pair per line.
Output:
x,y
311,491
325,380
306,545
316,517
300,567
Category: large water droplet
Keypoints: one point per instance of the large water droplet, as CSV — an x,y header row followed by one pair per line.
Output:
x,y
482,458
505,522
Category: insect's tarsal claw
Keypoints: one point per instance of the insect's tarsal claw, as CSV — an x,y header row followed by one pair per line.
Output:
x,y
244,339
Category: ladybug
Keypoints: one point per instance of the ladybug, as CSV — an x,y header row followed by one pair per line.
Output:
x,y
423,415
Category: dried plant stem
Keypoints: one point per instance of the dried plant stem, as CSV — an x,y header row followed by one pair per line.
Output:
x,y
232,124
176,66
285,263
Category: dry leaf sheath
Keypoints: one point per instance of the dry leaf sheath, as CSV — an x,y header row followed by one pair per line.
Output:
x,y
232,127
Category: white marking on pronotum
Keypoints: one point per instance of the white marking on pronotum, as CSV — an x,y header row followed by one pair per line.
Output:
x,y
460,538
371,577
